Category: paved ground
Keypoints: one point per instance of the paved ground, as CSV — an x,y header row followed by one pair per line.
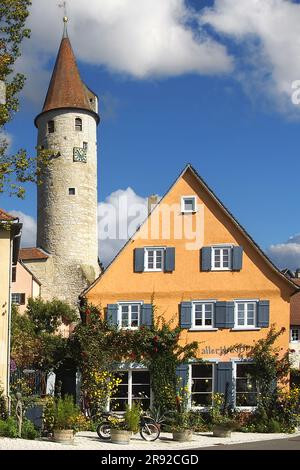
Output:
x,y
290,443
90,441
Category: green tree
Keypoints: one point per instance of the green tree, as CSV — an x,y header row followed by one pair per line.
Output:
x,y
17,169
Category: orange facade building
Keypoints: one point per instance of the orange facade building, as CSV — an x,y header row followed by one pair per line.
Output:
x,y
200,268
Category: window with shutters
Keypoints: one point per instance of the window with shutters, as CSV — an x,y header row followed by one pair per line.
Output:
x,y
154,259
203,315
134,388
246,393
245,314
221,258
188,204
295,334
78,124
202,384
18,299
129,315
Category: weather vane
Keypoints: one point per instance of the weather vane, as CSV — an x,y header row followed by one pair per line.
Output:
x,y
65,18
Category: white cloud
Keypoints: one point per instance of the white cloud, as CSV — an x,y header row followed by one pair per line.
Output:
x,y
286,255
28,230
269,33
148,38
118,218
6,139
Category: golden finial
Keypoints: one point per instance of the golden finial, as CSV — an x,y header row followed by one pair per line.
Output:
x,y
65,18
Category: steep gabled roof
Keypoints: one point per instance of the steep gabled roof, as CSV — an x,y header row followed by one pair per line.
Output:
x,y
202,183
66,89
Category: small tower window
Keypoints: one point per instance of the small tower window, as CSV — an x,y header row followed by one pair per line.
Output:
x,y
85,145
72,191
51,127
78,124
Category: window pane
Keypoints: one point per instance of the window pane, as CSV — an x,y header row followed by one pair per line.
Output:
x,y
201,385
243,370
202,371
189,204
140,377
201,399
118,405
246,399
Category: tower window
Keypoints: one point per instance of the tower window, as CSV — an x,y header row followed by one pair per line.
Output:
x,y
51,127
78,124
85,145
72,191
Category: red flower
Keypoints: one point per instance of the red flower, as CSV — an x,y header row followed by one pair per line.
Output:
x,y
87,312
156,350
132,355
155,338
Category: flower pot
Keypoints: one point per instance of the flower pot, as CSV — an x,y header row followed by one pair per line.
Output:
x,y
119,436
63,436
183,436
221,431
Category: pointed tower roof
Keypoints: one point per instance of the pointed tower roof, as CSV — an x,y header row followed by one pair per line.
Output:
x,y
66,89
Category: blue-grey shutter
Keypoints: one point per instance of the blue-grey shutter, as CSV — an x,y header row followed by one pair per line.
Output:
x,y
112,314
237,258
169,260
147,314
224,315
223,382
263,314
186,314
205,254
182,375
139,260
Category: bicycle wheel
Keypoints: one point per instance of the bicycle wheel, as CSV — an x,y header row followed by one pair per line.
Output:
x,y
103,430
149,432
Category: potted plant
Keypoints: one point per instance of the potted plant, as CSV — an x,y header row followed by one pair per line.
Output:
x,y
65,414
222,422
122,428
180,419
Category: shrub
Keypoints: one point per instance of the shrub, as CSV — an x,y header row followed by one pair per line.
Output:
x,y
3,407
8,428
65,413
132,417
28,430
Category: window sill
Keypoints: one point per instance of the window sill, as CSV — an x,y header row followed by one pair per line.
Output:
x,y
245,408
203,329
245,329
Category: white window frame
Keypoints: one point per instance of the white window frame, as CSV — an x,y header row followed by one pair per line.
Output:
x,y
221,267
120,304
203,327
234,377
297,328
154,248
16,295
210,362
183,209
130,371
245,326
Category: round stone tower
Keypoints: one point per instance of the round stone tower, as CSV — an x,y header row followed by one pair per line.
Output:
x,y
67,195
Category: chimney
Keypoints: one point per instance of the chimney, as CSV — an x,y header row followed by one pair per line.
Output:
x,y
297,273
152,202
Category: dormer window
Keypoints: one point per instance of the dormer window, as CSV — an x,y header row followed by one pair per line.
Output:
x,y
51,127
78,124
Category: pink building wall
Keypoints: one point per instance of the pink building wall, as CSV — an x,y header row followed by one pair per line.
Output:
x,y
25,284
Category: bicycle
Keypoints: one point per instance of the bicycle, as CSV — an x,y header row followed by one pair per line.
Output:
x,y
149,430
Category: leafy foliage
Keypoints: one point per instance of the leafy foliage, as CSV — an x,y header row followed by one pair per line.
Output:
x,y
65,413
36,341
15,170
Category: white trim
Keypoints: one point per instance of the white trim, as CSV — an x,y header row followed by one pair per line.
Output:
x,y
154,249
295,341
245,327
239,408
129,303
221,248
183,210
211,362
203,327
130,370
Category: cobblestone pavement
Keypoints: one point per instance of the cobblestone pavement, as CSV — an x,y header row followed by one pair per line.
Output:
x,y
90,441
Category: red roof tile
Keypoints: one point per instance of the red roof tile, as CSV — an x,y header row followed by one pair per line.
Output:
x,y
27,254
4,216
66,89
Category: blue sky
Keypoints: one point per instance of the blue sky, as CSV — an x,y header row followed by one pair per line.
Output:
x,y
237,126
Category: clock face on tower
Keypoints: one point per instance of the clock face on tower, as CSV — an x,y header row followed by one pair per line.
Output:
x,y
79,155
